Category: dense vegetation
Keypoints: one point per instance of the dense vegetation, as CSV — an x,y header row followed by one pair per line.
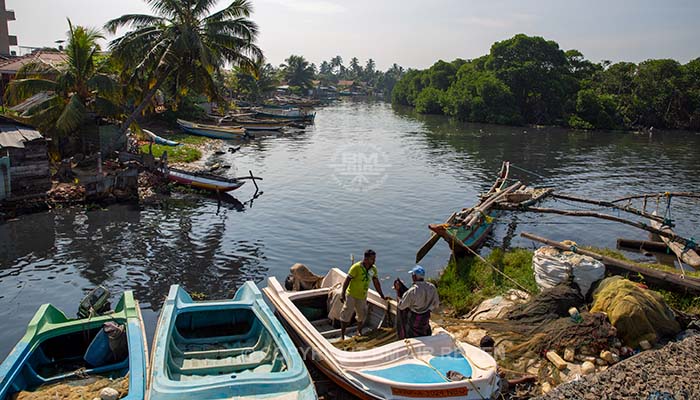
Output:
x,y
530,80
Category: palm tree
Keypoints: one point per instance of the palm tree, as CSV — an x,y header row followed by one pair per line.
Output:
x,y
337,62
184,44
71,89
256,87
355,67
298,72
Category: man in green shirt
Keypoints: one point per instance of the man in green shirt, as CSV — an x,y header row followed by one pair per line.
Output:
x,y
354,293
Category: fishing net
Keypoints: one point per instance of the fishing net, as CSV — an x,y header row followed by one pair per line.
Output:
x,y
372,339
81,389
637,313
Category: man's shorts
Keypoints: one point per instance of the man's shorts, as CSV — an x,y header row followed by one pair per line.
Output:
x,y
353,305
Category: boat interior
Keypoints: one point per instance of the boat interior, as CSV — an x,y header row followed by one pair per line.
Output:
x,y
378,329
221,342
62,358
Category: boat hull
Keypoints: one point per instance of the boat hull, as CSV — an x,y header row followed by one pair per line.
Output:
x,y
212,131
224,349
50,325
205,183
466,239
393,370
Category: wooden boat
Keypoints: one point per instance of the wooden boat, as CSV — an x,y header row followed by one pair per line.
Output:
x,y
688,256
205,181
55,347
160,140
292,114
467,236
212,131
262,126
224,349
398,369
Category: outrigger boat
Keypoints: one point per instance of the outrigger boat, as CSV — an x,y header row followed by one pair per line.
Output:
x,y
399,369
212,131
207,181
224,349
57,350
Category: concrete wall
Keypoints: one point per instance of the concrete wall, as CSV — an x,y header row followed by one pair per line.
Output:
x,y
6,40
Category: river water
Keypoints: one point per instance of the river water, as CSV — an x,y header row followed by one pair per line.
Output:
x,y
366,175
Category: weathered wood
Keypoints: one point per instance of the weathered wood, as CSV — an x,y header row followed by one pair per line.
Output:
x,y
661,279
646,245
485,205
628,209
684,251
671,235
651,195
430,243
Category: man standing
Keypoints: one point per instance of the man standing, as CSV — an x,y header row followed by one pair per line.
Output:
x,y
415,305
354,293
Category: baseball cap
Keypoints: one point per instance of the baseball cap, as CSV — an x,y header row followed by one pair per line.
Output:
x,y
417,270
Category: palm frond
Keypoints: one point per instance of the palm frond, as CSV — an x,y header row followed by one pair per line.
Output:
x,y
36,69
132,21
239,8
104,84
202,6
106,107
72,116
166,8
19,90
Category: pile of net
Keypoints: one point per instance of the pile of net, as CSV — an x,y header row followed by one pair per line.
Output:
x,y
370,340
544,324
83,389
637,313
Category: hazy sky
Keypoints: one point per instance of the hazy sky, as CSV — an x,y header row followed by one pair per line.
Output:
x,y
416,33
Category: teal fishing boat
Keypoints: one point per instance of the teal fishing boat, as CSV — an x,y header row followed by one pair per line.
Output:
x,y
59,354
224,349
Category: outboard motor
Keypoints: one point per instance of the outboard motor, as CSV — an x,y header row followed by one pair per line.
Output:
x,y
95,303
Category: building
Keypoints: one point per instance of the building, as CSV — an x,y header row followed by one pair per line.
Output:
x,y
24,161
9,67
6,40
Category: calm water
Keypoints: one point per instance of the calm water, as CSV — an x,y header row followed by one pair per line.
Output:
x,y
366,175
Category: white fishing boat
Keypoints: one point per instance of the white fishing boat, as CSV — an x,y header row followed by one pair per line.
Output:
x,y
436,366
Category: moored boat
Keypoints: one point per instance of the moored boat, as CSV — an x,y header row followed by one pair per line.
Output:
x,y
394,369
224,349
59,354
466,237
212,131
204,181
160,140
291,114
686,254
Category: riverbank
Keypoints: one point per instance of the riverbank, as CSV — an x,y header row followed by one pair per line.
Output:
x,y
497,298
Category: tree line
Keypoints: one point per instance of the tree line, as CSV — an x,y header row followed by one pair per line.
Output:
x,y
530,80
300,74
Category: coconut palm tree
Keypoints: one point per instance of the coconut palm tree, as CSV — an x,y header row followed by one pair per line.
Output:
x,y
355,67
337,62
298,72
184,45
68,91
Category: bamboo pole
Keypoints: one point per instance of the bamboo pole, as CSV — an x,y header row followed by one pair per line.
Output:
x,y
628,209
662,279
671,235
672,194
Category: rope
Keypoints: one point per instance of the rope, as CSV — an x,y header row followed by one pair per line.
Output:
x,y
528,171
499,271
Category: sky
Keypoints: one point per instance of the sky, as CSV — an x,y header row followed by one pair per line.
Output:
x,y
415,33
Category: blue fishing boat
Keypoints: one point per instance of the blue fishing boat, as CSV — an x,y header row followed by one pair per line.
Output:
x,y
224,349
160,140
58,354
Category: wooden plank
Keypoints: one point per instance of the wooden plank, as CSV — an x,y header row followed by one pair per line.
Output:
x,y
430,243
661,279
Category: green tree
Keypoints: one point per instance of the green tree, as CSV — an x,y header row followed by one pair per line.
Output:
x,y
184,44
298,72
73,89
255,86
355,68
657,95
337,65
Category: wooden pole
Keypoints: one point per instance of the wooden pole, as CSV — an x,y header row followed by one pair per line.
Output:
x,y
428,245
628,209
672,194
484,206
662,279
671,235
647,245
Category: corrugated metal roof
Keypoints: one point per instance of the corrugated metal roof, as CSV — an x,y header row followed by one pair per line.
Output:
x,y
16,135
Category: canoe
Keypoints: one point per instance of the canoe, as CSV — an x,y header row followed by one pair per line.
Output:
x,y
255,126
212,131
224,349
204,181
395,369
294,115
160,140
55,348
687,255
466,237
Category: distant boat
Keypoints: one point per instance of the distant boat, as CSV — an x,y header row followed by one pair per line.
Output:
x,y
262,126
291,114
224,349
415,368
55,349
212,131
204,181
160,140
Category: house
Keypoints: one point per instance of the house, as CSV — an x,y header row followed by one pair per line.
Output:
x,y
24,161
351,88
10,66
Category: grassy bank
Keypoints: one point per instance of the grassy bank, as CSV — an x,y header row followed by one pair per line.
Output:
x,y
188,152
467,282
